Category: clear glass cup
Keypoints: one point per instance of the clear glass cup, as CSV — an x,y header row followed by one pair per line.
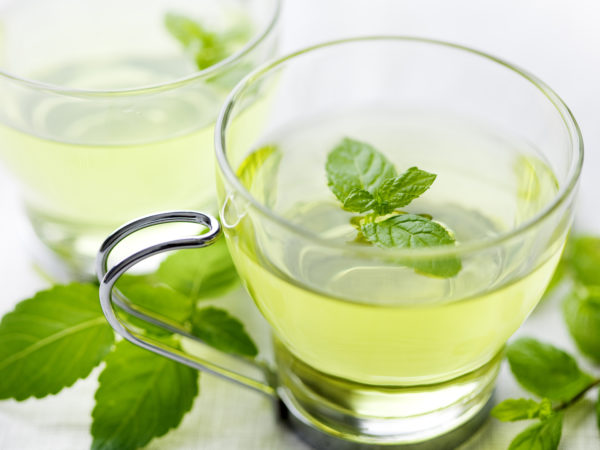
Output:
x,y
377,346
106,116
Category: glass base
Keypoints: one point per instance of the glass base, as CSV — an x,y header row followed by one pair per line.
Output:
x,y
332,413
62,251
65,251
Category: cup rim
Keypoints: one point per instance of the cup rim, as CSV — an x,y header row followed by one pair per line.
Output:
x,y
576,142
256,39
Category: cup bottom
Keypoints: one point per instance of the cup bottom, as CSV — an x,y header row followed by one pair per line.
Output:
x,y
330,413
66,250
63,251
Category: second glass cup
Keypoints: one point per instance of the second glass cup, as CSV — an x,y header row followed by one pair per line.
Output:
x,y
108,109
379,337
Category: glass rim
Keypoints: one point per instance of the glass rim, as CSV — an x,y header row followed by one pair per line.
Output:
x,y
256,39
572,178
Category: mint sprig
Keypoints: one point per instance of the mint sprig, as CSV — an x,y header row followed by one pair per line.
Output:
x,y
365,181
581,310
220,330
59,335
549,372
187,272
542,435
552,374
545,370
51,340
140,396
206,46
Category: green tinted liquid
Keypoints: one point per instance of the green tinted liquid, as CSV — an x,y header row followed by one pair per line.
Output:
x,y
380,324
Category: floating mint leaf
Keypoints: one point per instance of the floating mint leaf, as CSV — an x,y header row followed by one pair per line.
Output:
x,y
581,310
359,200
207,47
356,165
584,259
217,328
200,273
544,435
364,180
141,396
546,370
516,409
258,173
51,340
413,231
401,190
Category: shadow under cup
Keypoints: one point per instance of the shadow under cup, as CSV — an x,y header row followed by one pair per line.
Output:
x,y
368,348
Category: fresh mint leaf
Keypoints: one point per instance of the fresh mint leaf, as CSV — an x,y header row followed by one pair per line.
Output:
x,y
51,340
584,259
581,310
546,409
546,370
544,435
414,231
207,47
217,328
598,410
200,273
258,173
516,409
141,396
144,292
355,165
359,200
401,190
159,299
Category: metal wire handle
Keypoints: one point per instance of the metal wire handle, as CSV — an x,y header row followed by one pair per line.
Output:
x,y
261,381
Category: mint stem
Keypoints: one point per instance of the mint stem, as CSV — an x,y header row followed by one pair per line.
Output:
x,y
579,396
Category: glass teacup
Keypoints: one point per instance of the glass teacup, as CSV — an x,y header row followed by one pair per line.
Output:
x,y
383,345
102,100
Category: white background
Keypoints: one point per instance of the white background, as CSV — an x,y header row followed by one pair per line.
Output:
x,y
559,41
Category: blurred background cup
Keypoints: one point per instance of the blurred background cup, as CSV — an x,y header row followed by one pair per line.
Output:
x,y
396,345
108,109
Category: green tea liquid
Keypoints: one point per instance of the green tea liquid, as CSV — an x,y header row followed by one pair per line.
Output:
x,y
376,323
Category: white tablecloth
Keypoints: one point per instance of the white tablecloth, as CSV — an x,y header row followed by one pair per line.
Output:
x,y
557,40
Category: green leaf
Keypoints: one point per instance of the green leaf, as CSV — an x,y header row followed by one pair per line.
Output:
x,y
516,409
356,165
258,173
51,340
160,299
222,331
546,409
359,200
200,273
581,310
546,370
544,435
207,47
598,410
401,190
413,231
141,396
584,259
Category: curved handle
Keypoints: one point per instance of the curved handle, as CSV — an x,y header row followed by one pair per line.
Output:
x,y
262,380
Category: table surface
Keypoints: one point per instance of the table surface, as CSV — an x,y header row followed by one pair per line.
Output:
x,y
554,39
